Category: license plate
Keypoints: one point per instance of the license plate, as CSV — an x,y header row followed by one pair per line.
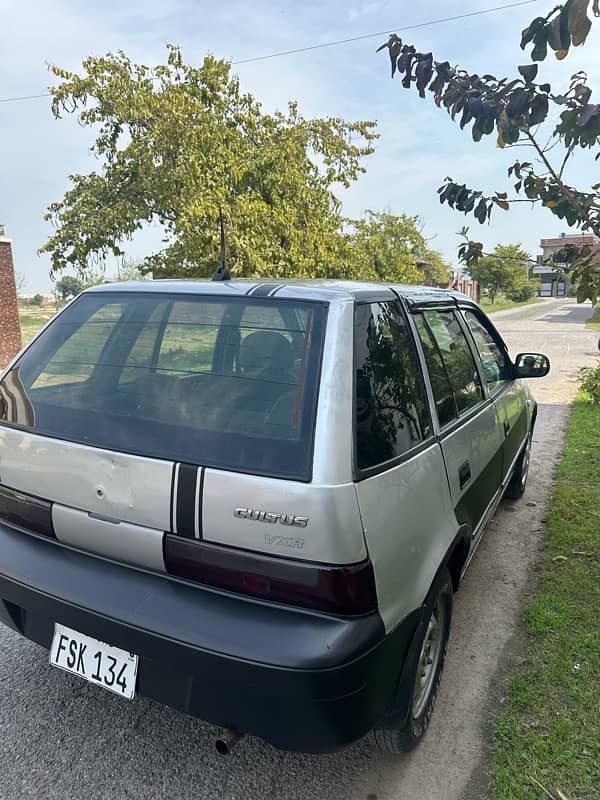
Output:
x,y
97,662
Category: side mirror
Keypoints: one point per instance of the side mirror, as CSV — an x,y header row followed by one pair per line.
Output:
x,y
531,365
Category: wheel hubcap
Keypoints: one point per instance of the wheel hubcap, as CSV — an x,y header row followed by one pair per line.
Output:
x,y
429,658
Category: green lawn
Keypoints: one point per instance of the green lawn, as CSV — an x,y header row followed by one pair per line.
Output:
x,y
32,319
594,321
548,741
503,303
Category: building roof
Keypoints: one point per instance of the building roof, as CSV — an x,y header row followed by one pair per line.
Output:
x,y
577,239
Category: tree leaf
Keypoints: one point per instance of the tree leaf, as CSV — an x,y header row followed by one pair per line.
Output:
x,y
540,49
423,72
587,113
565,34
539,109
528,34
553,34
528,71
394,51
578,20
582,294
481,211
502,203
560,54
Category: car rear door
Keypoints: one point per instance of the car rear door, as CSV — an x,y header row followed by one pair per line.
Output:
x,y
398,463
509,396
469,429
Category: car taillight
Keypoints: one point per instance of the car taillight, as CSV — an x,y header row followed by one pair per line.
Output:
x,y
344,589
26,511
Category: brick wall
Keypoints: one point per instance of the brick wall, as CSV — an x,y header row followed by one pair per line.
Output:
x,y
10,330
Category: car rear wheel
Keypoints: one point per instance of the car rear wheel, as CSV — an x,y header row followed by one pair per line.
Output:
x,y
426,673
518,482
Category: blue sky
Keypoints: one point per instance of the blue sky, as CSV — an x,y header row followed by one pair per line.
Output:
x,y
418,147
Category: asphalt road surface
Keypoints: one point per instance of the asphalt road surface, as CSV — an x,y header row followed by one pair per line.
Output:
x,y
62,738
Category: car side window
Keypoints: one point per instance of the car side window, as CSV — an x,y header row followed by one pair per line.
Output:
x,y
390,405
443,393
496,367
457,357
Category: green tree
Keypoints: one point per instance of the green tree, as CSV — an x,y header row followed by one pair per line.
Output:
x,y
129,270
178,143
515,110
506,270
383,246
37,300
68,286
435,270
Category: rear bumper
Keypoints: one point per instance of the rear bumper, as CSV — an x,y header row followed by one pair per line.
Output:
x,y
299,679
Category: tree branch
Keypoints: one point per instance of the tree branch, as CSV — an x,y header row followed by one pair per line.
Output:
x,y
566,158
567,193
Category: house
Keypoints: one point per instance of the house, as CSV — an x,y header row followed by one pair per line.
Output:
x,y
462,283
35,298
10,329
554,282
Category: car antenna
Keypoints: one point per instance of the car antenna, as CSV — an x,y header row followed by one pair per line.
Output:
x,y
222,273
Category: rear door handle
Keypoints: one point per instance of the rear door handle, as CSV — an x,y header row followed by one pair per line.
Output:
x,y
506,428
464,474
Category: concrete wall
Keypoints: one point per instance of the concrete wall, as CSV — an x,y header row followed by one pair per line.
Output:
x,y
10,329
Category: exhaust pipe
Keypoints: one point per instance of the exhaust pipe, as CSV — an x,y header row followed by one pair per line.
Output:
x,y
227,740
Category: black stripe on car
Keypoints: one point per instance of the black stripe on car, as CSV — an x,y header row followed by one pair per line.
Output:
x,y
188,501
264,289
253,289
26,511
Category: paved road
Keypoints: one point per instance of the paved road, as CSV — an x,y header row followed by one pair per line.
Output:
x,y
62,739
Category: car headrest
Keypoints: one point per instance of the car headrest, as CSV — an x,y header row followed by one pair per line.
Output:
x,y
266,350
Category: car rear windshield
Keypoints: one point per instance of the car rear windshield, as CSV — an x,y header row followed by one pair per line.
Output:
x,y
223,382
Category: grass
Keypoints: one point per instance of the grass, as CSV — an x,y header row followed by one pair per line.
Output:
x,y
548,741
502,303
594,321
32,319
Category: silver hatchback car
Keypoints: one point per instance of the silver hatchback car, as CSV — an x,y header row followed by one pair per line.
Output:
x,y
254,501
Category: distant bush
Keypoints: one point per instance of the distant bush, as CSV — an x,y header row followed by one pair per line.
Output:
x,y
37,300
523,293
590,383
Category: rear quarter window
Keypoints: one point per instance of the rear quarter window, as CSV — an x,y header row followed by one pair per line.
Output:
x,y
391,415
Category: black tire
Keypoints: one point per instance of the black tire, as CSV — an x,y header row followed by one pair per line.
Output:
x,y
438,611
518,482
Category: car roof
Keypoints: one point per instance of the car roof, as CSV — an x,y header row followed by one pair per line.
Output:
x,y
321,290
